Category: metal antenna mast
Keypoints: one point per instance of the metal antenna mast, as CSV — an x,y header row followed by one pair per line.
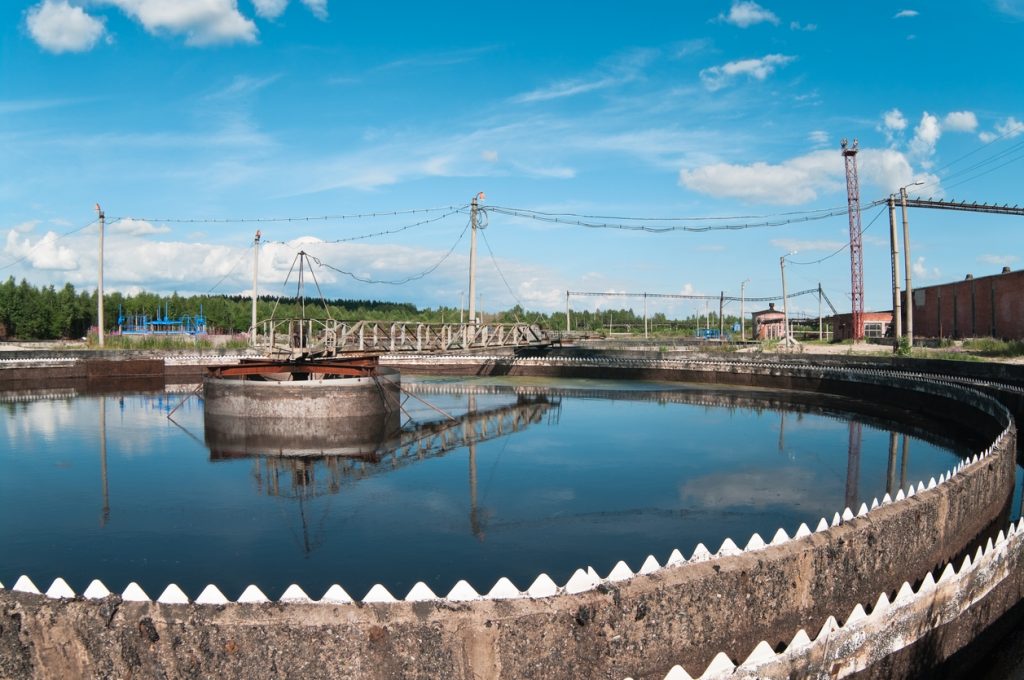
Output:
x,y
856,245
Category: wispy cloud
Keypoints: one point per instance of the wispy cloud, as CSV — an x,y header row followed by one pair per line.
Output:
x,y
435,59
717,77
617,71
29,105
242,86
905,14
999,260
804,246
1013,8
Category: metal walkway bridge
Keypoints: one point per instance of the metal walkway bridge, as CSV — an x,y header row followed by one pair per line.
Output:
x,y
291,339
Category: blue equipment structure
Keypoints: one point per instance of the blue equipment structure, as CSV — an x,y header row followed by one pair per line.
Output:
x,y
161,324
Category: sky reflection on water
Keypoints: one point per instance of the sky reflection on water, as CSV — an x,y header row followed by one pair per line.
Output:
x,y
586,479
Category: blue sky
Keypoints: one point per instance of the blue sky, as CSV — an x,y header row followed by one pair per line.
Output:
x,y
217,109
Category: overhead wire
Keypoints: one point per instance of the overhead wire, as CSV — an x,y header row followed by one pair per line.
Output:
x,y
311,218
386,232
658,229
398,282
40,242
844,246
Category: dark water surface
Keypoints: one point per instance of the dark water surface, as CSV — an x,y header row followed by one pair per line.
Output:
x,y
579,473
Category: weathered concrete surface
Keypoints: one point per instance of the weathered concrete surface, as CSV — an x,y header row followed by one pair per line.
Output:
x,y
312,400
639,628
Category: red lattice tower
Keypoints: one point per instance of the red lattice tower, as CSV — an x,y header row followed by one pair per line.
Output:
x,y
856,245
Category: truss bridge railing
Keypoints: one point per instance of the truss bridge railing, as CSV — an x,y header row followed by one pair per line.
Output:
x,y
300,338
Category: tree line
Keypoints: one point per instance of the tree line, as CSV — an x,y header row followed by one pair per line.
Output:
x,y
28,312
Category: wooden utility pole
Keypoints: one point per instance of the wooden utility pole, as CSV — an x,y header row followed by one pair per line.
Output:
x,y
897,313
255,279
99,285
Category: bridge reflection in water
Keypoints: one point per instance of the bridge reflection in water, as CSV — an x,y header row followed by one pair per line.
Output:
x,y
302,459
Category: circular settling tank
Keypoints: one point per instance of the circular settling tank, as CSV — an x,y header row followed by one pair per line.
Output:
x,y
467,479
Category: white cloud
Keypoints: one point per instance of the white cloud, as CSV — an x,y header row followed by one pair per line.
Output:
x,y
202,22
889,170
923,272
999,260
59,27
894,120
489,155
926,134
804,178
1009,128
797,180
744,13
797,26
270,9
44,254
960,121
133,227
905,14
717,77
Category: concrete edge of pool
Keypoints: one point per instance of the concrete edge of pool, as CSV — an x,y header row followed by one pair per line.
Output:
x,y
692,614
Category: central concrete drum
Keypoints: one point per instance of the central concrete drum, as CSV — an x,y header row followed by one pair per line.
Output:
x,y
335,415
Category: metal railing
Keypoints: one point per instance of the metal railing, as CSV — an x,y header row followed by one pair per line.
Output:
x,y
296,338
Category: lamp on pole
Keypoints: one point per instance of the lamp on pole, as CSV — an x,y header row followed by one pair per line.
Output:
x,y
785,299
908,304
743,331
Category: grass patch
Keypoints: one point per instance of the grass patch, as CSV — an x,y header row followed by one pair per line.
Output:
x,y
990,347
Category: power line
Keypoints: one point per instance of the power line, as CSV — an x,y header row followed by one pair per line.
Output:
x,y
59,237
675,219
658,229
385,232
844,247
316,218
398,282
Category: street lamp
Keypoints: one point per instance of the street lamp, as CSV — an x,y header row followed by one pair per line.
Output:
x,y
908,305
785,300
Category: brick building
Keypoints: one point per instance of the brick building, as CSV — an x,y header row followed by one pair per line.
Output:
x,y
987,306
768,323
876,325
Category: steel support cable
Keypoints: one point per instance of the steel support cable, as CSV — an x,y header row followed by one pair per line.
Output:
x,y
844,247
231,271
502,275
399,282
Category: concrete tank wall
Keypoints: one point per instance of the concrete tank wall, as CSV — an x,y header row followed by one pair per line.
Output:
x,y
639,627
303,399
